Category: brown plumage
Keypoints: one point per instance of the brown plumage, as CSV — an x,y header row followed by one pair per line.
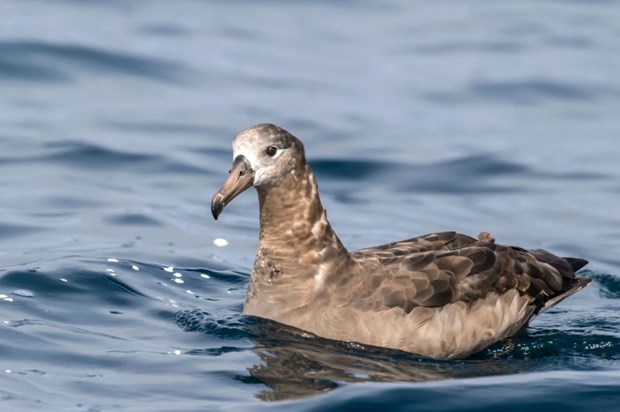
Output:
x,y
443,295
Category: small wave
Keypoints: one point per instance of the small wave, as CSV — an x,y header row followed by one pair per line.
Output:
x,y
541,391
44,61
554,343
165,30
69,202
609,284
134,219
167,128
527,92
225,276
346,169
510,47
72,282
226,324
88,156
8,230
467,174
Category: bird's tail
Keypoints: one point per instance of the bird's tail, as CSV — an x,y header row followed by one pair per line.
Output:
x,y
576,263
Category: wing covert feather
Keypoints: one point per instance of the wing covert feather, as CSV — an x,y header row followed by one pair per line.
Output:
x,y
437,269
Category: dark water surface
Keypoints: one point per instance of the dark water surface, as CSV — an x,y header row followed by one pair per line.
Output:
x,y
115,125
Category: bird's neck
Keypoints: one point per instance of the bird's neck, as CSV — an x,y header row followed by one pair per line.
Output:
x,y
294,230
299,256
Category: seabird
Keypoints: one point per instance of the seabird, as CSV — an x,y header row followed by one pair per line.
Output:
x,y
441,295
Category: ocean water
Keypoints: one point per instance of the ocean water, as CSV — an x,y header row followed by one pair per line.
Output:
x,y
116,118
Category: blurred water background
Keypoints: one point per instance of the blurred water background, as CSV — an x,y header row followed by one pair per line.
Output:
x,y
115,124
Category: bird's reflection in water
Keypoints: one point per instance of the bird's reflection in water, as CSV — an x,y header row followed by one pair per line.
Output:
x,y
295,364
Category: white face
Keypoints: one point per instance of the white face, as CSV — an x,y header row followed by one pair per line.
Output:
x,y
255,147
257,157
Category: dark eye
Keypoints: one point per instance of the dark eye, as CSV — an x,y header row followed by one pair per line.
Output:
x,y
271,151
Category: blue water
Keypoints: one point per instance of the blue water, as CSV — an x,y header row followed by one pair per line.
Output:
x,y
115,126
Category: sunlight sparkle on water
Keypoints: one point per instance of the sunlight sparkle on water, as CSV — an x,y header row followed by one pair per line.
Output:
x,y
220,242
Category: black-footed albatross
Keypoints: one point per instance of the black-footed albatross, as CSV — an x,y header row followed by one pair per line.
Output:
x,y
442,295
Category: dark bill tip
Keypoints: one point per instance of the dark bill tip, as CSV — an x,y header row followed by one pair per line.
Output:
x,y
241,177
217,205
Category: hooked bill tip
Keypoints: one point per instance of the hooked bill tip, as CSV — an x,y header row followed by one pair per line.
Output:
x,y
216,207
216,210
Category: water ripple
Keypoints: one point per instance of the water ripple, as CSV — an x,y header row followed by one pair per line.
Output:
x,y
134,219
527,92
88,157
464,175
44,61
509,47
226,324
8,230
610,285
543,391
